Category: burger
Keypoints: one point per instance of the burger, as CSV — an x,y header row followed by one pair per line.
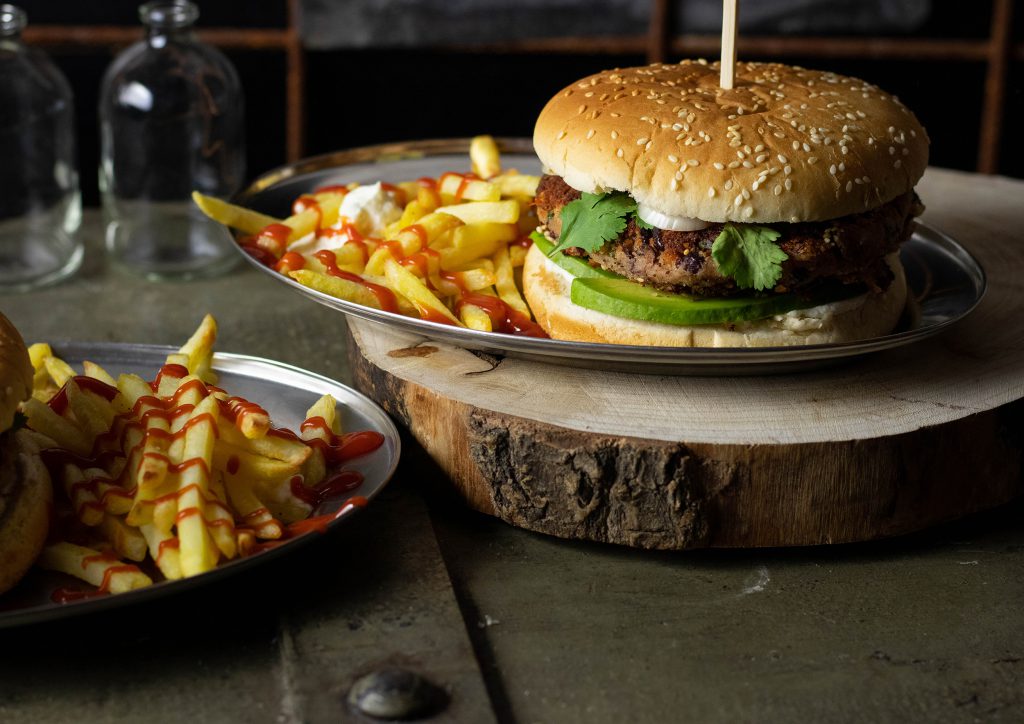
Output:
x,y
26,496
675,212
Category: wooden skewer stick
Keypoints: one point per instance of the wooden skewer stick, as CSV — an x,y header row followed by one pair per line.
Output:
x,y
728,64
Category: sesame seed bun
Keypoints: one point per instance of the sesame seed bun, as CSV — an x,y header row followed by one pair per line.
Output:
x,y
26,495
784,145
546,288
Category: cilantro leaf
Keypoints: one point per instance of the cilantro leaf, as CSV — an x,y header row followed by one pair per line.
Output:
x,y
746,253
593,220
641,223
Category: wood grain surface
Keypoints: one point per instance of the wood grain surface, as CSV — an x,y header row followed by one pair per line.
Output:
x,y
879,447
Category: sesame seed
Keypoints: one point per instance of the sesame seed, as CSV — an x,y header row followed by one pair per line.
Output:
x,y
647,147
719,166
618,152
738,200
674,184
734,164
748,212
892,150
561,135
641,141
590,133
806,148
844,149
615,134
842,167
777,189
582,108
796,145
748,164
746,194
832,169
782,159
756,185
679,175
761,158
673,159
787,170
693,162
728,185
711,192
789,184
897,164
758,148
849,186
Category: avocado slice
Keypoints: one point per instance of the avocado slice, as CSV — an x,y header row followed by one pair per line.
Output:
x,y
577,267
623,298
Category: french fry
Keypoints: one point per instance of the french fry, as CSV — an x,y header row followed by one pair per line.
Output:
x,y
237,217
409,286
286,449
93,370
253,513
341,288
127,540
475,212
302,224
484,157
505,282
197,551
516,185
164,549
475,318
93,566
456,189
59,370
64,432
93,414
199,350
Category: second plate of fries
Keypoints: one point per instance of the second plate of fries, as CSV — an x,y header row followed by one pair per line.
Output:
x,y
172,467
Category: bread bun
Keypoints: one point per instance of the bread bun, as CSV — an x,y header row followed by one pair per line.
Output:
x,y
15,372
546,288
785,144
26,495
26,502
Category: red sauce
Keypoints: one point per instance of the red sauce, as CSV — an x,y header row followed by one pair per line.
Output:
x,y
427,182
463,183
59,402
305,202
342,482
419,231
103,557
503,317
169,543
65,594
237,409
263,256
175,372
319,523
291,261
109,573
385,297
399,193
274,239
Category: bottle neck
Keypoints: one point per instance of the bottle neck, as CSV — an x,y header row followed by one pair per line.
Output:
x,y
159,37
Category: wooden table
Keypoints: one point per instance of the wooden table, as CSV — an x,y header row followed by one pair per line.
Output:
x,y
519,627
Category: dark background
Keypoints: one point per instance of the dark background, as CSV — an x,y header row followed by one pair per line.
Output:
x,y
364,90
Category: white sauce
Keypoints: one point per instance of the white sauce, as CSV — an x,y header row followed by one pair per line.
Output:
x,y
370,208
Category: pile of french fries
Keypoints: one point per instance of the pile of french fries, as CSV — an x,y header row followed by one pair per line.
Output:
x,y
458,236
175,472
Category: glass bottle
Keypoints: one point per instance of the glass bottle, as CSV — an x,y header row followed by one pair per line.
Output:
x,y
40,204
171,121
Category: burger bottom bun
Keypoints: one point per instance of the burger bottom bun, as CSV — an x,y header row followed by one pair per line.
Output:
x,y
24,511
546,287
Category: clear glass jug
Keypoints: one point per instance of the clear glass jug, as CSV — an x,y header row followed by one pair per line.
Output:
x,y
40,204
171,121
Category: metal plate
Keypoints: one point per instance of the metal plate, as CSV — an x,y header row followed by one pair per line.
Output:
x,y
945,281
286,392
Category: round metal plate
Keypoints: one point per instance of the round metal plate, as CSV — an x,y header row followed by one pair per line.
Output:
x,y
945,281
286,392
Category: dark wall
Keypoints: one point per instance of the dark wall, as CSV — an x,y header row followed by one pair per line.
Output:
x,y
358,97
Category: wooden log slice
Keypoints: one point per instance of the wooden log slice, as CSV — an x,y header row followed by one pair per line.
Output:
x,y
882,446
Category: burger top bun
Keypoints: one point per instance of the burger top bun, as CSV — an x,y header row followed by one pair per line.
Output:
x,y
15,372
547,289
785,144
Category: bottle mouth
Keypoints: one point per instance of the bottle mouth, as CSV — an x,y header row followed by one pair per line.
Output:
x,y
12,20
169,14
